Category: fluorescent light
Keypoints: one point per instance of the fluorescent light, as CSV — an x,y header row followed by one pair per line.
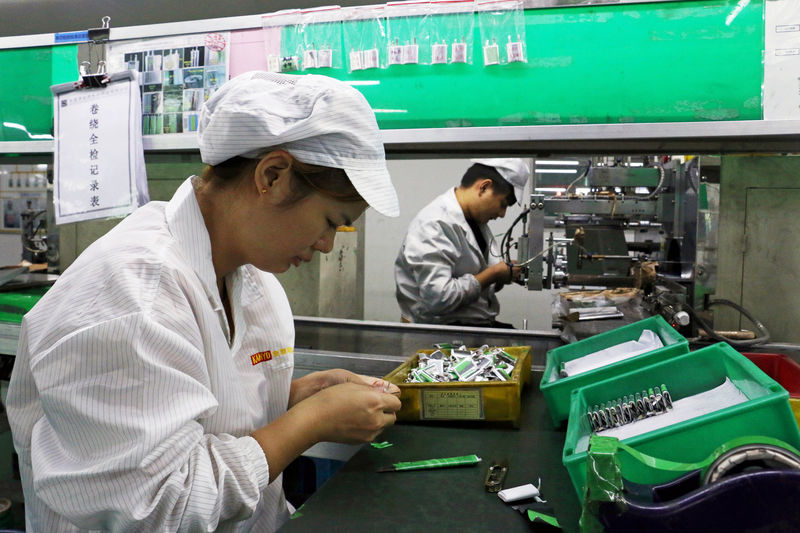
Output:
x,y
550,189
552,162
556,171
364,82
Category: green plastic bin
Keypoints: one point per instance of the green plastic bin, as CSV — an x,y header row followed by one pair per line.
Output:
x,y
557,390
765,413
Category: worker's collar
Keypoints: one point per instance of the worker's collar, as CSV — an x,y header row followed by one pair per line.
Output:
x,y
186,223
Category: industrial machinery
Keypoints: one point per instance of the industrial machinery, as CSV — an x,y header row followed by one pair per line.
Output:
x,y
40,235
614,222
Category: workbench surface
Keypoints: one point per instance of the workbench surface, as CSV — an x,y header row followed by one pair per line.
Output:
x,y
357,498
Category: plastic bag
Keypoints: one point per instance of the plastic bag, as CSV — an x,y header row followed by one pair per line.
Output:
x,y
279,28
452,24
502,28
319,38
407,33
364,32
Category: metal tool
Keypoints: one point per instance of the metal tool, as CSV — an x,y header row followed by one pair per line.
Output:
x,y
496,475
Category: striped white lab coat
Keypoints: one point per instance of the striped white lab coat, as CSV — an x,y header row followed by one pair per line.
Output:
x,y
435,268
130,404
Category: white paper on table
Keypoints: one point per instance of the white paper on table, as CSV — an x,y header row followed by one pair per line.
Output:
x,y
648,341
99,167
682,410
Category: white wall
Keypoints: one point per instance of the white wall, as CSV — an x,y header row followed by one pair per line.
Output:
x,y
417,183
10,248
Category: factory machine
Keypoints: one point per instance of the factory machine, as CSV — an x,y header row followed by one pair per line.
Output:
x,y
614,222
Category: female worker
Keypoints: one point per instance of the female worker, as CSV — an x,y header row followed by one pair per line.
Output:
x,y
152,389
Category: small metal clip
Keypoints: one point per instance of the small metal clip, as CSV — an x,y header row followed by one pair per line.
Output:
x,y
495,476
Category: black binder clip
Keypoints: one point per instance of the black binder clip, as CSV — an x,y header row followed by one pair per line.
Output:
x,y
97,37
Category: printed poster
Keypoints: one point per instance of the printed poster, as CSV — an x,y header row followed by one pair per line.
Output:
x,y
176,76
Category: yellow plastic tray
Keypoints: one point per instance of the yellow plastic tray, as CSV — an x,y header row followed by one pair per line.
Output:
x,y
495,401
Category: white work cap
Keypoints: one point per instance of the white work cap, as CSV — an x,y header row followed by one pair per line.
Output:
x,y
317,119
515,171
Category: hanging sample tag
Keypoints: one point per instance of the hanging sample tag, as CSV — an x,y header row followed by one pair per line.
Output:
x,y
289,64
395,54
438,53
491,54
273,63
514,50
459,52
356,60
324,58
371,58
411,54
309,59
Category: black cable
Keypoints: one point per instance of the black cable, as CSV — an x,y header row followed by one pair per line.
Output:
x,y
692,172
505,242
733,342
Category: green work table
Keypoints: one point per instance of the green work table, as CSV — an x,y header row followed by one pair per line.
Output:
x,y
357,498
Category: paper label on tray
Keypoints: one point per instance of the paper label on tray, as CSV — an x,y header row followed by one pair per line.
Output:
x,y
451,404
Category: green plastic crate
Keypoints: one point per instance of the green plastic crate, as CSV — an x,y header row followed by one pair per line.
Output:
x,y
557,390
765,413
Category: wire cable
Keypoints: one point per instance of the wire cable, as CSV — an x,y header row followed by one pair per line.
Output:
x,y
661,175
763,338
576,180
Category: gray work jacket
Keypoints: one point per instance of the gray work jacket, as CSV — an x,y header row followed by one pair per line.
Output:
x,y
436,266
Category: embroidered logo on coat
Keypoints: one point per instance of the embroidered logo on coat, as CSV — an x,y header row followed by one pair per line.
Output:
x,y
267,355
260,357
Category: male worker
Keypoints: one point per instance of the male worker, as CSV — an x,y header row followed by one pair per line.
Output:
x,y
449,265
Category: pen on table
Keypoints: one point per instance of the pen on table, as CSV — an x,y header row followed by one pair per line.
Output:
x,y
447,462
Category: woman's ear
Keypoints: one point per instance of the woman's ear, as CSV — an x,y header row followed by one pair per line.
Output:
x,y
273,171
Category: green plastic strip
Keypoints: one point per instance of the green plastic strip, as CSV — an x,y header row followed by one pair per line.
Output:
x,y
674,466
381,445
604,480
464,460
552,520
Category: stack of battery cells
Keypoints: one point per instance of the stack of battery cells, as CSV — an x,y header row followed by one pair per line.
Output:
x,y
463,364
629,409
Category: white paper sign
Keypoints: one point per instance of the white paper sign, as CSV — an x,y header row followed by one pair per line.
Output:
x,y
99,162
782,60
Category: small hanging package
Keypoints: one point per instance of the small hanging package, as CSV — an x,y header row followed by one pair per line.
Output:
x,y
502,29
364,30
320,36
280,41
407,33
452,23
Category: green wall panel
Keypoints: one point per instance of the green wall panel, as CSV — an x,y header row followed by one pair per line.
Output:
x,y
658,62
26,104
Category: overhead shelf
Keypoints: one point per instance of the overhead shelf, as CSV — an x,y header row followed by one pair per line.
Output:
x,y
745,136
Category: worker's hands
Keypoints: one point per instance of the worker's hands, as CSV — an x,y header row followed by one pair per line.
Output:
x,y
504,273
333,406
312,383
350,413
